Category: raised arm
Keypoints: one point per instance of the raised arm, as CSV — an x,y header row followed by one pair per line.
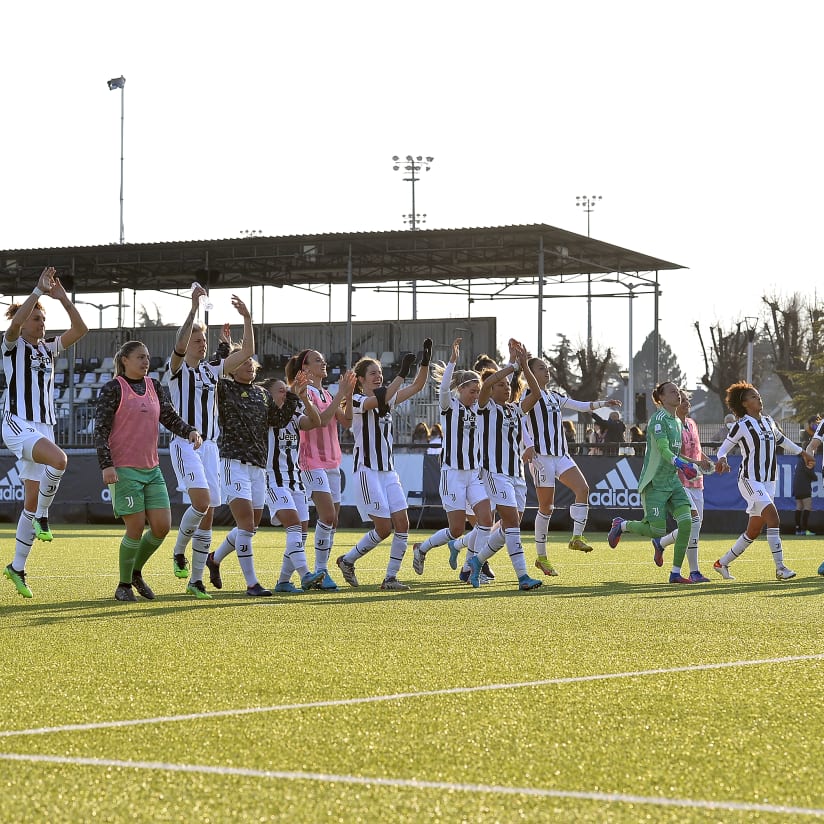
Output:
x,y
45,283
185,332
311,418
247,349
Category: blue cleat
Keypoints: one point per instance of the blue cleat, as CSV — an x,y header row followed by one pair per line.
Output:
x,y
526,583
678,578
454,551
615,532
289,587
821,569
658,554
311,578
475,571
327,583
464,575
698,578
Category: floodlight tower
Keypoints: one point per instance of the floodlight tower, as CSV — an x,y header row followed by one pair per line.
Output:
x,y
412,166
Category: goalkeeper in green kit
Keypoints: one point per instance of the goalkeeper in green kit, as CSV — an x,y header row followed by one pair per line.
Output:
x,y
661,489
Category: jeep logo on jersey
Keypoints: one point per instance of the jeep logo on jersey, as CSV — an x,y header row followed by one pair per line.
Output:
x,y
618,488
11,486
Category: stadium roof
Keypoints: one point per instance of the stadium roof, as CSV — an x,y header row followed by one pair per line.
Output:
x,y
502,256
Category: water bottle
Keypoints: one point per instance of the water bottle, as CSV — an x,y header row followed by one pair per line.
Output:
x,y
205,304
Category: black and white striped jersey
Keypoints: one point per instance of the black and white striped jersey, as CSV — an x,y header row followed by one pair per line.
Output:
x,y
545,422
193,394
373,435
29,370
500,438
284,444
758,439
460,448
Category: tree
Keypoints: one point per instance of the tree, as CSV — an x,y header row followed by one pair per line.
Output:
x,y
588,382
145,320
808,383
643,364
726,362
792,328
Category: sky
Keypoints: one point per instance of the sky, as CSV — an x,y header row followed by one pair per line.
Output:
x,y
697,125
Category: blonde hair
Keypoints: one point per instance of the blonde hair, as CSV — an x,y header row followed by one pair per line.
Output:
x,y
460,377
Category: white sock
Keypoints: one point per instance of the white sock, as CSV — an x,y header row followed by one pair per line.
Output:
x,y
438,539
364,545
24,538
578,513
188,524
479,544
245,556
516,551
497,540
201,544
668,539
774,540
324,540
397,550
295,551
541,531
692,546
736,551
49,484
227,547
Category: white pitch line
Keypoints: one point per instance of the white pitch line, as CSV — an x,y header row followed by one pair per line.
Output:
x,y
615,798
375,699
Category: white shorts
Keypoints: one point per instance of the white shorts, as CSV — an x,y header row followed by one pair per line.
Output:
x,y
546,468
281,497
758,495
461,489
697,497
20,437
378,493
242,480
196,468
504,490
322,480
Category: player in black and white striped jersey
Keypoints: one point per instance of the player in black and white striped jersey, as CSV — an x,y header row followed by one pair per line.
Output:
x,y
816,441
461,482
285,493
29,415
503,471
192,384
544,411
381,496
758,437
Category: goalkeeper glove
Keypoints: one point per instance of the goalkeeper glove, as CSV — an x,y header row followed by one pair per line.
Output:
x,y
427,352
406,364
689,469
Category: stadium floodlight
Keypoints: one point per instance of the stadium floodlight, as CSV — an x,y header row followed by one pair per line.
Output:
x,y
412,167
120,83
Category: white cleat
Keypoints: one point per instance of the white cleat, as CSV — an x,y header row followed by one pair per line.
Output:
x,y
723,571
783,573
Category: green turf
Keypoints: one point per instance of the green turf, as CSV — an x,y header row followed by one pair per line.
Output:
x,y
740,735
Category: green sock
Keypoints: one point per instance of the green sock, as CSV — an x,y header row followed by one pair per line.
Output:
x,y
148,546
128,553
682,538
640,528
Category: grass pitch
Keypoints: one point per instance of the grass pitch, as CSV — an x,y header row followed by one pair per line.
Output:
x,y
605,695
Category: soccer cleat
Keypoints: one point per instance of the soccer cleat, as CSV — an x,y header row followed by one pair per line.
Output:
x,y
19,580
658,552
783,573
257,591
41,528
454,551
348,571
197,589
486,570
474,571
288,587
418,559
821,569
143,589
580,544
615,532
543,564
463,575
326,583
697,578
678,578
214,571
311,578
393,585
723,571
180,566
124,593
526,583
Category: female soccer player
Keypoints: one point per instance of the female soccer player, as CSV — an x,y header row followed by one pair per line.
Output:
x,y
320,455
758,437
503,471
544,422
660,487
461,482
381,495
691,450
29,417
127,413
192,386
245,413
815,441
285,493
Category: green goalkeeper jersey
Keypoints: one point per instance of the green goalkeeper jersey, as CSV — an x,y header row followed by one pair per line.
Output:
x,y
663,444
